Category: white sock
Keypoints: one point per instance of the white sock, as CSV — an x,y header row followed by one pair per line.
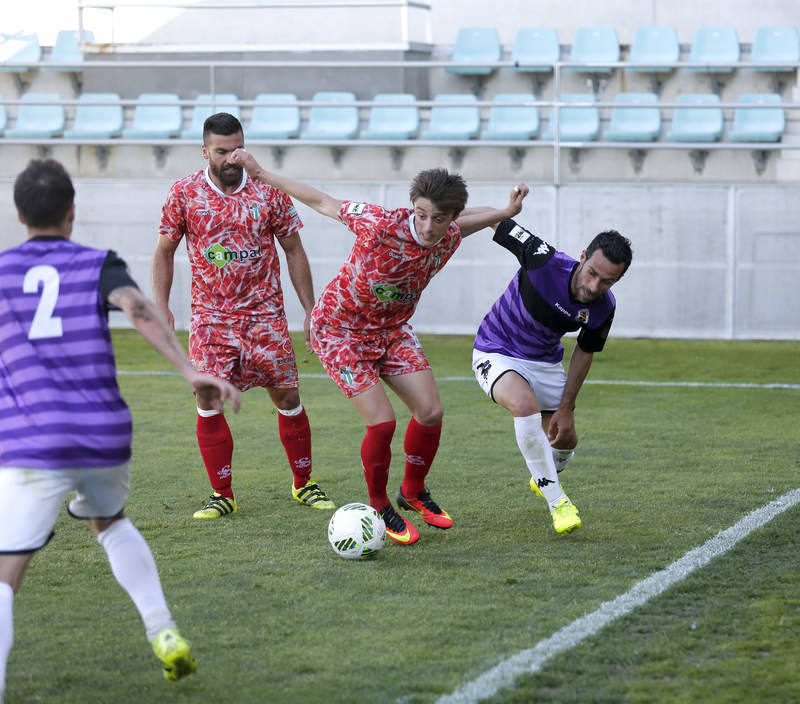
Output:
x,y
562,458
6,630
135,569
538,456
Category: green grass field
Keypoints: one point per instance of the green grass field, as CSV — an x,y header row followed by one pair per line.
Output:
x,y
275,616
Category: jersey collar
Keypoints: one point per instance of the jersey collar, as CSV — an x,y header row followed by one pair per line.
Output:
x,y
214,185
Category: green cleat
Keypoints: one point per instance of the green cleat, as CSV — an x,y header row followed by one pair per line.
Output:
x,y
173,651
312,495
216,506
565,517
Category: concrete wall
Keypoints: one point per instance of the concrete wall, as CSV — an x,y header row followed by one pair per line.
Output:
x,y
710,261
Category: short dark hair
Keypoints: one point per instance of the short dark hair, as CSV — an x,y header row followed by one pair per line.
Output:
x,y
445,190
614,246
43,193
221,123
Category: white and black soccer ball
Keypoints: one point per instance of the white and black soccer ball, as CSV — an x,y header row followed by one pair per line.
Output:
x,y
356,531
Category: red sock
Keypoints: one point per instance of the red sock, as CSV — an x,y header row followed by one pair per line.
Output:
x,y
376,456
420,445
216,446
295,434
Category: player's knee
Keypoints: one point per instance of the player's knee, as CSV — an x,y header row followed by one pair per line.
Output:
x,y
430,416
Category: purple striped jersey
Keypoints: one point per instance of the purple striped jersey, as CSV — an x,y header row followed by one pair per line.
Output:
x,y
536,309
60,405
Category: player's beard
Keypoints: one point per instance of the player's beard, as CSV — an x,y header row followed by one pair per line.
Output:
x,y
228,175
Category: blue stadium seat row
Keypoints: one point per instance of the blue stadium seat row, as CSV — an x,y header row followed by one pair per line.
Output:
x,y
452,117
539,46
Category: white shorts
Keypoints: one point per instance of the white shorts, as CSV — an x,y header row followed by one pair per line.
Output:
x,y
30,500
546,379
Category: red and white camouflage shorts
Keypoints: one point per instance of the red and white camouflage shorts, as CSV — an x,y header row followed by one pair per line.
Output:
x,y
244,351
357,359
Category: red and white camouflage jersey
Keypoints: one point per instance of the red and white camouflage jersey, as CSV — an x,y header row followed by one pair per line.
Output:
x,y
230,241
382,280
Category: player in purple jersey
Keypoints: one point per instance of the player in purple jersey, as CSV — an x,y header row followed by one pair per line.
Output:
x,y
517,353
66,428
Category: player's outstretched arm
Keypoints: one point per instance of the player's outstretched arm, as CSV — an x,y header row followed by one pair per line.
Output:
x,y
152,325
474,219
319,201
561,432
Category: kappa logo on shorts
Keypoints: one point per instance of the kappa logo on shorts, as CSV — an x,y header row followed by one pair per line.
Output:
x,y
484,368
220,256
356,208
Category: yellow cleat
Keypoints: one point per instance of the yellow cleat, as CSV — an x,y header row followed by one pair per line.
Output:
x,y
173,651
312,495
216,506
565,517
535,488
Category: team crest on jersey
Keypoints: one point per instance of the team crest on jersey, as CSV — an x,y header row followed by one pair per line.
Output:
x,y
255,211
519,233
437,259
292,211
582,316
356,208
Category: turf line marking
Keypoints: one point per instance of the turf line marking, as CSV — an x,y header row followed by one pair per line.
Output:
x,y
688,384
532,659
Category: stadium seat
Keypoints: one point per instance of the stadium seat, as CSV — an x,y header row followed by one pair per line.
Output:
x,y
715,46
634,124
67,50
473,45
512,122
780,44
453,122
395,121
20,48
274,121
94,121
39,121
205,109
326,122
537,48
581,124
758,124
655,46
696,124
595,44
156,121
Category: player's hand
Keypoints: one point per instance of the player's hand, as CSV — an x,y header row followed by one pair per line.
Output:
x,y
307,332
170,318
518,194
561,431
214,392
243,158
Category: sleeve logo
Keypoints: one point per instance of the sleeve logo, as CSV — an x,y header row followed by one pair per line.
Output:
x,y
519,233
356,208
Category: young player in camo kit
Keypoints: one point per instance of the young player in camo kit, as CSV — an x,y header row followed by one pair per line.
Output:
x,y
65,427
238,328
360,327
517,353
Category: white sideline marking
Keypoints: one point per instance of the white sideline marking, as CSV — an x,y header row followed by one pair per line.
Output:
x,y
691,384
532,659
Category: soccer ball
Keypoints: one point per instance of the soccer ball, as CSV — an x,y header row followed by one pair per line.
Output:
x,y
356,531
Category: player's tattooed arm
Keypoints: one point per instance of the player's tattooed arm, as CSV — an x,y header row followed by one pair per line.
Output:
x,y
153,326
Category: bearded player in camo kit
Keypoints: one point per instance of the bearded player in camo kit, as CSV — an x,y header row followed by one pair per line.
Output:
x,y
238,328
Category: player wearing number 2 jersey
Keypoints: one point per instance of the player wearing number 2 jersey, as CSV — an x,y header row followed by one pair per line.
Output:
x,y
238,328
65,427
517,352
360,323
